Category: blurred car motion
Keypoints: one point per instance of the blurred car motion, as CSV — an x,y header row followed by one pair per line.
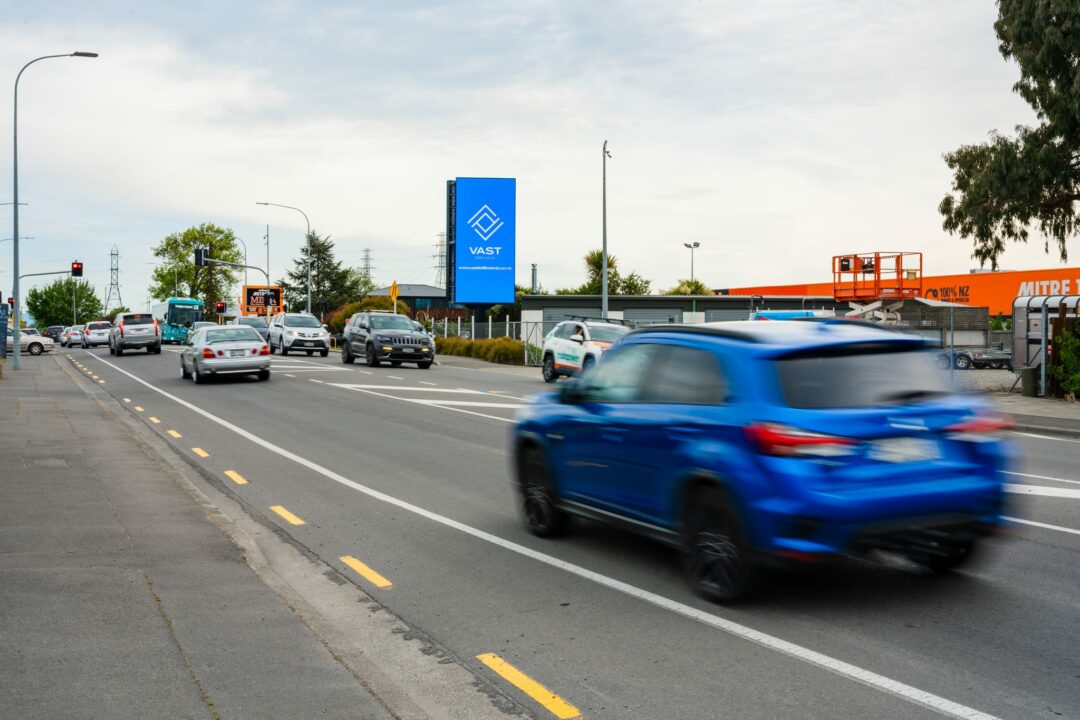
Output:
x,y
748,444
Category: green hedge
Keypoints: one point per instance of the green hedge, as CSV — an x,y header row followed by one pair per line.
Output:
x,y
1066,368
501,350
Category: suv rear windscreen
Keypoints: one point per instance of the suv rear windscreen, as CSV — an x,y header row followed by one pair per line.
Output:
x,y
140,319
860,376
98,326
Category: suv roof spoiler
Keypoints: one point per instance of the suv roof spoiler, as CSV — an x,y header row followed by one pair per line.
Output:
x,y
613,321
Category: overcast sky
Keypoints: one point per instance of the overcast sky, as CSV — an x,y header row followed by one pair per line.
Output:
x,y
776,134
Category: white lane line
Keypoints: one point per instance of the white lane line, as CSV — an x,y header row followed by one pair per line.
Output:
x,y
425,382
1043,491
301,368
462,403
402,388
812,657
1044,525
395,377
316,381
300,360
172,350
367,372
288,375
1041,477
1045,437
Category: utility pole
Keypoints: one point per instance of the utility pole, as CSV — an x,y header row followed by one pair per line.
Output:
x,y
534,283
365,266
440,259
114,280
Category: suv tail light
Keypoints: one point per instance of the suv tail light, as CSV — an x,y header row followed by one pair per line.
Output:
x,y
156,332
979,428
207,353
784,441
121,326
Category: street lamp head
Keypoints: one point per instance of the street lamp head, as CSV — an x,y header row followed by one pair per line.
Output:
x,y
261,203
692,246
80,53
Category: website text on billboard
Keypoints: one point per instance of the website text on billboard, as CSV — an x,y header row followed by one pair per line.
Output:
x,y
485,232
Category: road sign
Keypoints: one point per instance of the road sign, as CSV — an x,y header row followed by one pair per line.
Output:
x,y
394,294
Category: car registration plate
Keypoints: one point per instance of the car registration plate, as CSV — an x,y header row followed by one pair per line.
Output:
x,y
407,349
236,353
904,450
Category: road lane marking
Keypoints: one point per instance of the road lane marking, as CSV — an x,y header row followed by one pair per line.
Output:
x,y
316,381
127,400
288,375
811,657
1042,477
367,372
395,377
1043,491
154,420
1044,525
101,382
425,382
236,477
551,702
200,452
366,572
174,434
138,408
462,403
1045,437
400,388
288,516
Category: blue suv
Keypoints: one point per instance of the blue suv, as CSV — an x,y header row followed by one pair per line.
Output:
x,y
760,443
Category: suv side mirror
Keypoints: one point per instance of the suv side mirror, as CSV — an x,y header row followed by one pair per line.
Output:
x,y
579,339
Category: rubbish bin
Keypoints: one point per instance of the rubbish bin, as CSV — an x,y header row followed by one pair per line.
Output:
x,y
1029,381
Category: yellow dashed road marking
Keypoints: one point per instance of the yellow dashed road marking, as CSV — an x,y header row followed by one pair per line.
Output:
x,y
174,433
366,572
554,704
138,408
127,400
155,420
200,452
236,477
288,516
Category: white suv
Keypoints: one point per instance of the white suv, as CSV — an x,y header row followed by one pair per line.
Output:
x,y
298,332
573,346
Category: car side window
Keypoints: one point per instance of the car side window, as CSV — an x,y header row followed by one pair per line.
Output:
x,y
620,378
686,376
562,331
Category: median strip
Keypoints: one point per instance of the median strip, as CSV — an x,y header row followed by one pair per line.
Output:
x,y
236,477
200,452
288,516
552,702
366,572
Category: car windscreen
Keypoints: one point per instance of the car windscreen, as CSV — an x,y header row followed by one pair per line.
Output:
x,y
303,321
860,376
183,314
139,319
235,333
606,333
99,326
391,322
255,322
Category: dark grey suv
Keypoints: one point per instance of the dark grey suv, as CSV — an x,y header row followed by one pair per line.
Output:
x,y
377,336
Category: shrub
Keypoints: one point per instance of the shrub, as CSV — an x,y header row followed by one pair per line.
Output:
x,y
497,350
1066,366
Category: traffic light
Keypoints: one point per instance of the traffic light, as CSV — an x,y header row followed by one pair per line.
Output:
x,y
200,257
11,302
219,307
76,269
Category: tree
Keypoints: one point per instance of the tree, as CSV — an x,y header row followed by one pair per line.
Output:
x,y
209,283
51,305
689,287
1004,187
331,284
111,315
632,284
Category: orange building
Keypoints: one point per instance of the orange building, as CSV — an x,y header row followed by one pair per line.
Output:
x,y
995,290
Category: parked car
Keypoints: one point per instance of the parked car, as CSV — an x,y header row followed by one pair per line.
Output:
x,y
298,332
964,358
75,336
31,331
376,336
254,321
135,330
96,333
748,444
30,343
574,346
53,332
64,336
225,350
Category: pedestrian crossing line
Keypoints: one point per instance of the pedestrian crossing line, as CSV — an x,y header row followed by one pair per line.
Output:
x,y
287,516
366,572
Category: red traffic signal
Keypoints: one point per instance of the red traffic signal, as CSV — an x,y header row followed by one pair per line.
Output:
x,y
76,269
219,307
11,301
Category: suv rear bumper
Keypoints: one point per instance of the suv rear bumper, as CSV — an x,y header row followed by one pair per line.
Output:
x,y
138,342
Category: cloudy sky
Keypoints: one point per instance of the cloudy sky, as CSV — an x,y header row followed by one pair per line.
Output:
x,y
775,133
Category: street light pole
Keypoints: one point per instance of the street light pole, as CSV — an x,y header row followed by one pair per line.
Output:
x,y
693,246
603,263
308,237
245,258
16,363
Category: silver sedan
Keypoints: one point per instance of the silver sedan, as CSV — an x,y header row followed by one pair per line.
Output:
x,y
225,350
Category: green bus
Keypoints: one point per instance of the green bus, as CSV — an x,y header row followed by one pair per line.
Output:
x,y
176,316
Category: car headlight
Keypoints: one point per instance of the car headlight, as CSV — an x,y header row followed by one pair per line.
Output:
x,y
289,333
383,338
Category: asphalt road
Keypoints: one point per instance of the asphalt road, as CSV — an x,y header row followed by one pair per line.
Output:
x,y
407,471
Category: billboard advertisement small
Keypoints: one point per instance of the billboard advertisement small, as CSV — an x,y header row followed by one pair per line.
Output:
x,y
260,300
485,230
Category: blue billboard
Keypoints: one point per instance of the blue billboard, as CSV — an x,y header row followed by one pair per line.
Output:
x,y
485,225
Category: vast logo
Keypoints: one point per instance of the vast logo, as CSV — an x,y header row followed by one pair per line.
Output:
x,y
485,223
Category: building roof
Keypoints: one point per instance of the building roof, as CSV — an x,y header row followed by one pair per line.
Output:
x,y
416,291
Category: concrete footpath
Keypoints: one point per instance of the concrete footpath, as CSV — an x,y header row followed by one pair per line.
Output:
x,y
1048,416
121,596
